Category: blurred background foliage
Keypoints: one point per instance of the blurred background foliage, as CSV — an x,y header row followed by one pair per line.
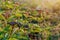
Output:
x,y
20,20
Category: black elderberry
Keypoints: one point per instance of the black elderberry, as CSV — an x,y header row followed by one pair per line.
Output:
x,y
12,23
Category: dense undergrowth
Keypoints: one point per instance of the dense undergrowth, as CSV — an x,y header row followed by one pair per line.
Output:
x,y
21,22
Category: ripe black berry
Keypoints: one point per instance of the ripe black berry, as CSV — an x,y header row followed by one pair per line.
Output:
x,y
12,23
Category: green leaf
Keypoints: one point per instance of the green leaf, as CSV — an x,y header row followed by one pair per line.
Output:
x,y
13,39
